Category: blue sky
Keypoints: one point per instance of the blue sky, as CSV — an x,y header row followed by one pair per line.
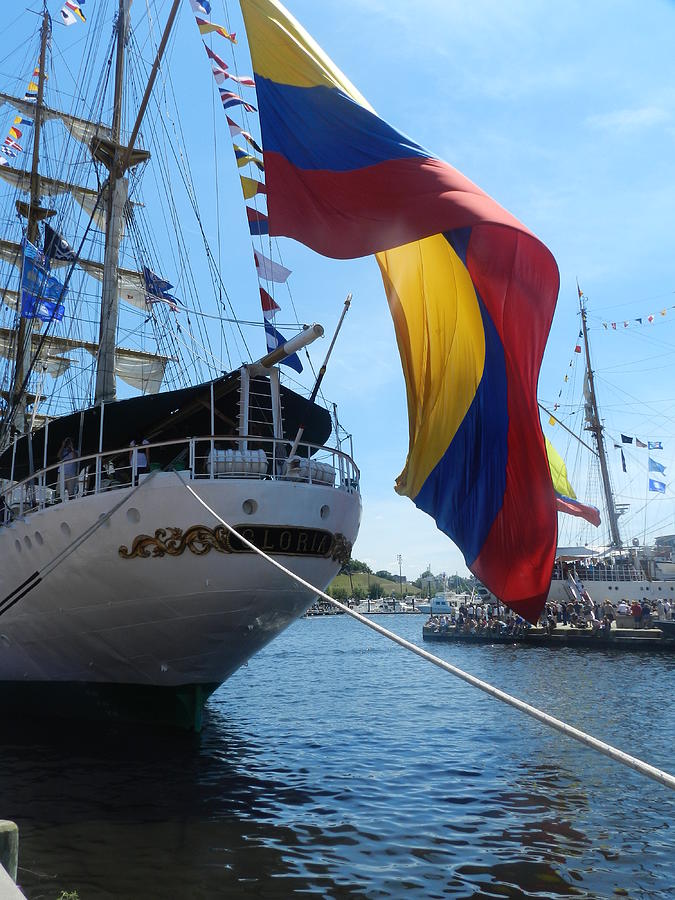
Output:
x,y
564,113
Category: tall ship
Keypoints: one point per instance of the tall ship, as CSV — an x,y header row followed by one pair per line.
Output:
x,y
607,566
124,411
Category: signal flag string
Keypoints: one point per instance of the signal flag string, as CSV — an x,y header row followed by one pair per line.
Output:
x,y
588,740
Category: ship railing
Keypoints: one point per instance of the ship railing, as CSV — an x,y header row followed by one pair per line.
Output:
x,y
215,457
618,572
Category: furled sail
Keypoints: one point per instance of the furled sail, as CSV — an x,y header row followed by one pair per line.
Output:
x,y
143,371
131,284
53,187
81,129
471,291
10,298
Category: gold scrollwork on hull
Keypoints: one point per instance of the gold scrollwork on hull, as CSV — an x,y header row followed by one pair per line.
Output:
x,y
274,539
198,539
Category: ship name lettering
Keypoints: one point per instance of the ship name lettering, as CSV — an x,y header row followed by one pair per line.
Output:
x,y
200,540
248,534
324,545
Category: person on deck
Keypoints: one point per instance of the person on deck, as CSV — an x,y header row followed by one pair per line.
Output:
x,y
67,455
142,456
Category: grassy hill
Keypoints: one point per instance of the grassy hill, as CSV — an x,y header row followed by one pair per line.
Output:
x,y
361,579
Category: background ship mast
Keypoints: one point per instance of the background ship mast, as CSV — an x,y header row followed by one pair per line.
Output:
x,y
595,426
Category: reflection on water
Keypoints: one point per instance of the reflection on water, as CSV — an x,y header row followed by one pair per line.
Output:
x,y
337,765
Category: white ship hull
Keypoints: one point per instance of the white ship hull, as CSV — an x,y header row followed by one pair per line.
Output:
x,y
190,616
628,590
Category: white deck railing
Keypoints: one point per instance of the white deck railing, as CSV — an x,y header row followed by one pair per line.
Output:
x,y
213,457
616,572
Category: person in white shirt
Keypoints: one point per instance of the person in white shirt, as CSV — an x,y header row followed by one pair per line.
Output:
x,y
142,456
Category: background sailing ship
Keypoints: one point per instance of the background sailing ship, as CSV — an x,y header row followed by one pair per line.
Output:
x,y
596,547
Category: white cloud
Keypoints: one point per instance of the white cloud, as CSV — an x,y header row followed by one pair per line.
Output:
x,y
627,120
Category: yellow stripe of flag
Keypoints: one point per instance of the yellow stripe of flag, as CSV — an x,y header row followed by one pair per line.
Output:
x,y
441,340
284,52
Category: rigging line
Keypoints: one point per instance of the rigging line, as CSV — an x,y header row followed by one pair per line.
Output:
x,y
216,170
158,328
182,328
618,390
185,273
8,27
216,268
182,161
185,276
664,778
254,323
562,425
631,302
43,337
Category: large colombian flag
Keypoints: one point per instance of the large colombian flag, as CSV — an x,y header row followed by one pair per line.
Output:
x,y
470,289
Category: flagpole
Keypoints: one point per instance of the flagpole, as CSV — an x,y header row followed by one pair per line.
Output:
x,y
319,379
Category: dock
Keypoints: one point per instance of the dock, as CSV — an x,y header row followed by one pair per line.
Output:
x,y
9,860
650,639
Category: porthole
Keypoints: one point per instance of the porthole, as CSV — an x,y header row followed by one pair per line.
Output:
x,y
65,529
39,540
249,507
27,541
17,544
133,515
324,511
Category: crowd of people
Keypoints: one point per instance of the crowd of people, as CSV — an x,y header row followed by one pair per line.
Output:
x,y
581,613
480,618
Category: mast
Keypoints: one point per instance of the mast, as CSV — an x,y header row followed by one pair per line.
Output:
x,y
34,214
117,159
595,426
116,190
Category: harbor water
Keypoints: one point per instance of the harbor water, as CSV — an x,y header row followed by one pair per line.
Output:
x,y
338,765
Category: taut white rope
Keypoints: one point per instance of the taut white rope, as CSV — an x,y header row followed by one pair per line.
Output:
x,y
618,755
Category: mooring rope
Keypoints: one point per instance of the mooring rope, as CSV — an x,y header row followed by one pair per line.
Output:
x,y
588,740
